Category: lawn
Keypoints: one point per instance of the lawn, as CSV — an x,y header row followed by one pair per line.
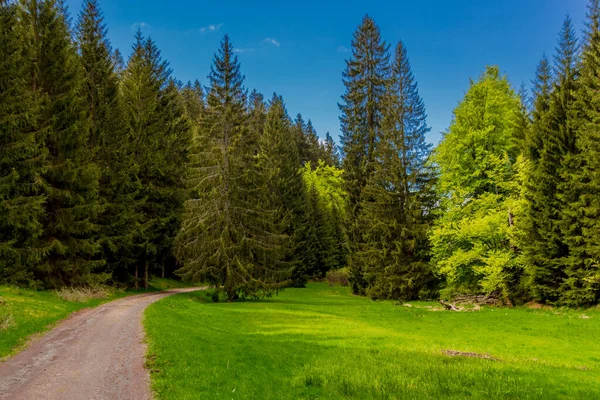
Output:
x,y
324,343
26,312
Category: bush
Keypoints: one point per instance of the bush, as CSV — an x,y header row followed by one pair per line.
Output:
x,y
338,277
83,294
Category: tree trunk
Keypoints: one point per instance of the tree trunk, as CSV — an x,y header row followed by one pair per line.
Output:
x,y
146,275
163,269
135,281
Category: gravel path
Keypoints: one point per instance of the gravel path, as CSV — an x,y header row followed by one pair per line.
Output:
x,y
96,353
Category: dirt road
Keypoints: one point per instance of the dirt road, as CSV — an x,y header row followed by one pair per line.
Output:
x,y
95,354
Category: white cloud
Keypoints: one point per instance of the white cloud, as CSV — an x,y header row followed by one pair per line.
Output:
x,y
140,25
272,41
342,49
243,50
210,28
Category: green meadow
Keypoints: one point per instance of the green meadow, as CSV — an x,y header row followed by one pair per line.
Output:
x,y
324,343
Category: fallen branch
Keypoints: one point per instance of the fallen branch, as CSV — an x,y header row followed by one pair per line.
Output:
x,y
450,306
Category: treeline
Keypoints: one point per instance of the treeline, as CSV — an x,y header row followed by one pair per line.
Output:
x,y
509,202
98,158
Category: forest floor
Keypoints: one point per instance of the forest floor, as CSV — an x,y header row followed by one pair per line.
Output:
x,y
324,343
96,353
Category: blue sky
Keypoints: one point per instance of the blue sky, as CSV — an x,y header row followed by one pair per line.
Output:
x,y
298,48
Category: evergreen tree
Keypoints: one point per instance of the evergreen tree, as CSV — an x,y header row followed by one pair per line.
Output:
x,y
331,152
396,208
365,79
542,88
71,179
280,160
547,221
582,269
229,236
109,140
160,132
22,156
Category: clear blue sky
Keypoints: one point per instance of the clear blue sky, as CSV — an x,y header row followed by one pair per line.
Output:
x,y
298,48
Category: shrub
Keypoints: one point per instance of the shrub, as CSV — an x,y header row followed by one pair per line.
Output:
x,y
338,277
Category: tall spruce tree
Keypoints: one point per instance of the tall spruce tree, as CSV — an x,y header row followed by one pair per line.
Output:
x,y
398,197
365,79
279,159
161,133
71,179
582,269
109,139
331,152
546,222
229,236
22,155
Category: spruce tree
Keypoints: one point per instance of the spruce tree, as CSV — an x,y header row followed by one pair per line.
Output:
x,y
548,221
331,152
113,148
365,79
582,269
71,179
229,236
161,133
396,208
22,155
279,159
542,88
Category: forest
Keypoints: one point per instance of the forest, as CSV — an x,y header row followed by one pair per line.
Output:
x,y
112,171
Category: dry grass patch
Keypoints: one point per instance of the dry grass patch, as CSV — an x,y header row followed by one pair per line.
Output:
x,y
83,294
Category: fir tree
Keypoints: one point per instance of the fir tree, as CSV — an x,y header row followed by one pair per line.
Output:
x,y
396,208
547,221
229,235
365,79
22,156
71,180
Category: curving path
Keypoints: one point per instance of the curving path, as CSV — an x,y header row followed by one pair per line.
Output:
x,y
96,353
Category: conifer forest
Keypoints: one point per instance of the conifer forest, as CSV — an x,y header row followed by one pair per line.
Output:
x,y
201,239
112,170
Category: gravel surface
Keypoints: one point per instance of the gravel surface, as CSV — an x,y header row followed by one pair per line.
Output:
x,y
96,353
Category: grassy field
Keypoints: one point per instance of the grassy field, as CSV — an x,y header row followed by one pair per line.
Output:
x,y
324,343
24,312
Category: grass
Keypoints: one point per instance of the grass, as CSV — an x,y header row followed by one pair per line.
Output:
x,y
24,312
324,343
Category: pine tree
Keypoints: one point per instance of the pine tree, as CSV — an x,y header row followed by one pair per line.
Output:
x,y
396,216
22,156
72,179
229,235
113,149
582,282
365,79
547,222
